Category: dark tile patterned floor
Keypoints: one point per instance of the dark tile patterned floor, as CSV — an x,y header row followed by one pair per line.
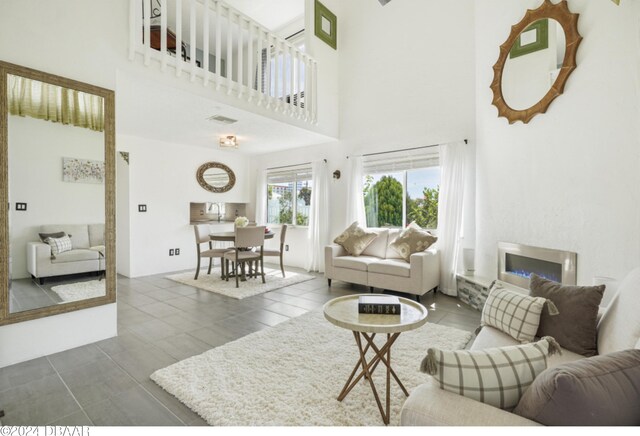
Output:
x,y
161,322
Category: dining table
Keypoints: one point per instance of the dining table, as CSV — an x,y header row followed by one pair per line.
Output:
x,y
231,237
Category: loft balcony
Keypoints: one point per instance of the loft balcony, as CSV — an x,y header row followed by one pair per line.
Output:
x,y
225,51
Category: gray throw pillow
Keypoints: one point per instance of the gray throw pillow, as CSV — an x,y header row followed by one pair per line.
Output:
x,y
575,327
601,390
45,236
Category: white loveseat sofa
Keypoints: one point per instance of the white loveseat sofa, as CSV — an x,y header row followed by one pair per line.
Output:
x,y
87,254
380,266
618,329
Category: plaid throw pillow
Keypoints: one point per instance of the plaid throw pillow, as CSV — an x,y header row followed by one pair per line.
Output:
x,y
59,245
513,313
495,376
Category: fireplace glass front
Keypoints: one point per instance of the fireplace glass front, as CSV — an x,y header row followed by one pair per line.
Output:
x,y
524,266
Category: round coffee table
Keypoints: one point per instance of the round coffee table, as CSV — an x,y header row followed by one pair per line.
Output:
x,y
343,312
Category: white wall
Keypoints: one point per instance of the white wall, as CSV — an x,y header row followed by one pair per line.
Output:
x,y
70,40
36,149
406,79
31,339
123,217
163,176
569,179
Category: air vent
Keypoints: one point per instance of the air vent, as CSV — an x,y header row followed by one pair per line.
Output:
x,y
222,119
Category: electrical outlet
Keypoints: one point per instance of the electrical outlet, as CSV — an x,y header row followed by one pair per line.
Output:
x,y
286,247
171,251
177,251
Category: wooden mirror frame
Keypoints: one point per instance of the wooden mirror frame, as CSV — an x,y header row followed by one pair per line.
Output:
x,y
208,187
110,177
569,22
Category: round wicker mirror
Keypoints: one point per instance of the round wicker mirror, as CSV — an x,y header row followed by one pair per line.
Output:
x,y
216,177
532,57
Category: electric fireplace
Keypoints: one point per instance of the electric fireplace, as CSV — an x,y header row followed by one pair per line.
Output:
x,y
516,262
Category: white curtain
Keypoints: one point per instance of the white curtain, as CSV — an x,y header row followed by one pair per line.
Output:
x,y
355,199
261,198
452,164
318,232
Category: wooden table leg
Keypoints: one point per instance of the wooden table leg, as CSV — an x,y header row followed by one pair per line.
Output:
x,y
365,369
383,355
347,386
380,353
388,379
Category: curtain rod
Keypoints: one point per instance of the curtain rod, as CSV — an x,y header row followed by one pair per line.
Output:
x,y
466,141
296,165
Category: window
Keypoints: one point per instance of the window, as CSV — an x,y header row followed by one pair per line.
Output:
x,y
399,191
289,195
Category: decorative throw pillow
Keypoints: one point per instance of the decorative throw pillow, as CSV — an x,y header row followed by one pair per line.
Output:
x,y
513,313
601,390
575,328
495,376
355,239
45,236
59,245
412,240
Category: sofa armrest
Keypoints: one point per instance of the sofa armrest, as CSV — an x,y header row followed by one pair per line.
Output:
x,y
430,405
331,251
37,252
425,268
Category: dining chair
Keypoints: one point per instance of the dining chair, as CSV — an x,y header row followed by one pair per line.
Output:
x,y
283,233
246,238
202,236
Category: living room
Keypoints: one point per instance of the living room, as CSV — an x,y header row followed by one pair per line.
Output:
x,y
404,75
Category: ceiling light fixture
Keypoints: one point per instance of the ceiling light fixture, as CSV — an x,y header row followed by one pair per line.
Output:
x,y
229,141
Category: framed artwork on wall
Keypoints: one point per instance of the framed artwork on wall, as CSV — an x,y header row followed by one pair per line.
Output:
x,y
326,25
534,38
82,170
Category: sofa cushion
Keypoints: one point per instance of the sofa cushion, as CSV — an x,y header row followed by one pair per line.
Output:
x,y
490,337
355,239
619,328
378,247
392,267
412,240
79,233
575,326
601,391
391,253
512,312
76,255
495,376
359,263
96,234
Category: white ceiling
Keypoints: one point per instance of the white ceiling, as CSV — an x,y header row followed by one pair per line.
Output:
x,y
167,114
272,14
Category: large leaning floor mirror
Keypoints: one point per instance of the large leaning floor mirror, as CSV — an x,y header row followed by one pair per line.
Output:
x,y
57,250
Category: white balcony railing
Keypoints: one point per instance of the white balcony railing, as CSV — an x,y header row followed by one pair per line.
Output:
x,y
225,50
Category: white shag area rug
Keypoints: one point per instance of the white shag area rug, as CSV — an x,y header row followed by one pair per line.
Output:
x,y
253,286
80,291
291,375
